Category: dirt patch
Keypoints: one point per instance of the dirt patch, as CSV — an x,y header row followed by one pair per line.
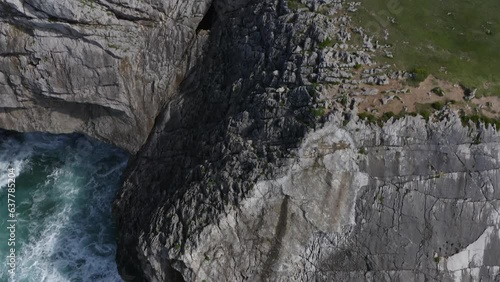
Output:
x,y
397,97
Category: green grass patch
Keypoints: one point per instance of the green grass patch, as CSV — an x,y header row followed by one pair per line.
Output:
x,y
318,112
439,105
425,110
326,43
370,118
438,91
455,40
324,9
418,75
344,100
477,119
295,4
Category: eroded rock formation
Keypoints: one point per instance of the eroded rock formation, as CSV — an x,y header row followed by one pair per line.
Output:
x,y
103,68
242,180
257,167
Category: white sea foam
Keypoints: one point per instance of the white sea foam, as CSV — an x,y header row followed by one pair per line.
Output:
x,y
69,220
13,154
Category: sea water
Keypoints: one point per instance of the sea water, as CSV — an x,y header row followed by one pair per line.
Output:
x,y
65,185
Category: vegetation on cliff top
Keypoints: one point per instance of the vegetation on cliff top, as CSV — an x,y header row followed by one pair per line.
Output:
x,y
456,40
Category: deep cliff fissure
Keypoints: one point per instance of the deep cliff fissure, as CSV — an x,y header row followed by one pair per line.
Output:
x,y
208,20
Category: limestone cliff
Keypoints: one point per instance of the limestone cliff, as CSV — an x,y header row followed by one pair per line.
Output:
x,y
407,202
103,68
256,166
254,173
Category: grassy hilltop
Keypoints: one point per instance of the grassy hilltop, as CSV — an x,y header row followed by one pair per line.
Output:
x,y
456,40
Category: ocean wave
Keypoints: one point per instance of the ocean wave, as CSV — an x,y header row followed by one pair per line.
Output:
x,y
67,182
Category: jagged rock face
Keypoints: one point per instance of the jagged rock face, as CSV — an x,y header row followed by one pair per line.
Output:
x,y
232,187
230,126
240,180
406,202
201,157
104,68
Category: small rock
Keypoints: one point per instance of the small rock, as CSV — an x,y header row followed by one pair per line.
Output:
x,y
470,94
370,91
387,99
382,80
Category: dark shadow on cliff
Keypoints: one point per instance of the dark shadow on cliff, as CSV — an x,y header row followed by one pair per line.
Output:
x,y
208,20
225,130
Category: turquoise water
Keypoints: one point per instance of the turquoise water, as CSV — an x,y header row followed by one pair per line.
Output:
x,y
65,187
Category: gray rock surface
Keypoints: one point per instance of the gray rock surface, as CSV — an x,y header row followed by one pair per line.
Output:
x,y
252,169
103,68
246,178
406,202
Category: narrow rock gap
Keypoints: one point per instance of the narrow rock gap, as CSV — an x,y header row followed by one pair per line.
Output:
x,y
174,275
208,20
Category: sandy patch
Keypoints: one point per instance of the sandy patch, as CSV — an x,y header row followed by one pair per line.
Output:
x,y
390,100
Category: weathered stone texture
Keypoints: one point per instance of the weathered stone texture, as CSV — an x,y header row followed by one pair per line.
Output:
x,y
251,170
104,68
